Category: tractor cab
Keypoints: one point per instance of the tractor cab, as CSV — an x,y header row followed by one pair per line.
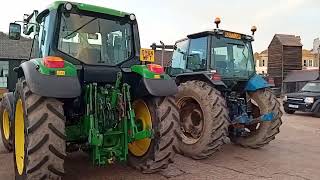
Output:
x,y
84,35
219,54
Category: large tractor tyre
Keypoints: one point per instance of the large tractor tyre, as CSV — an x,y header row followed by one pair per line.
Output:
x,y
39,128
263,132
203,119
6,114
161,115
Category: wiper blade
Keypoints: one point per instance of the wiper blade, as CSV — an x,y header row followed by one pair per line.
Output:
x,y
79,28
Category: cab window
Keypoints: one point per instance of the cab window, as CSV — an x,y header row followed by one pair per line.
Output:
x,y
179,57
197,55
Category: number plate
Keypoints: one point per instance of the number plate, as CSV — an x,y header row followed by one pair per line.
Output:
x,y
147,55
232,35
293,106
60,73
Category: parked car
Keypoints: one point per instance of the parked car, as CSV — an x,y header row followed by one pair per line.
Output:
x,y
306,100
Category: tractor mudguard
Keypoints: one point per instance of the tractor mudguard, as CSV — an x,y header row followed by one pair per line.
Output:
x,y
9,97
255,83
160,87
49,85
204,76
153,83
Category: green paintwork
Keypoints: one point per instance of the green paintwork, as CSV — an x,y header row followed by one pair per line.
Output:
x,y
69,69
108,124
92,8
146,73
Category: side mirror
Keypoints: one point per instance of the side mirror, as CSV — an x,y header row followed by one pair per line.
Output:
x,y
14,31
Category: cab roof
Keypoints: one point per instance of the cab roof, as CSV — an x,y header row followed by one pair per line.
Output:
x,y
212,32
215,32
89,7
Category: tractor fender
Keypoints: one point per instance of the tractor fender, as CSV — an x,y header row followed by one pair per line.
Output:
x,y
49,85
255,83
160,87
203,76
9,97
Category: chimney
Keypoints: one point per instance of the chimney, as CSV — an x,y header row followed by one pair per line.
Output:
x,y
299,38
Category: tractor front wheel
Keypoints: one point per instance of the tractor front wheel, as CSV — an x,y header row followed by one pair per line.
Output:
x,y
203,119
39,128
159,114
6,121
261,133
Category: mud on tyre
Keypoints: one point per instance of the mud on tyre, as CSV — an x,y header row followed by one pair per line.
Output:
x,y
39,128
203,119
161,114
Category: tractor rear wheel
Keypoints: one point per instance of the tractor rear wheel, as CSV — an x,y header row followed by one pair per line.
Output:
x,y
263,132
39,128
6,121
161,115
203,119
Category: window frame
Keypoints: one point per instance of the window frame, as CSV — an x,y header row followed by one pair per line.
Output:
x,y
207,65
133,30
253,63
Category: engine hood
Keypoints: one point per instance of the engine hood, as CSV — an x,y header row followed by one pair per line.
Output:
x,y
303,94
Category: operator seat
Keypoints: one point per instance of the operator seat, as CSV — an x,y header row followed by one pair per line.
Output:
x,y
93,71
89,55
194,62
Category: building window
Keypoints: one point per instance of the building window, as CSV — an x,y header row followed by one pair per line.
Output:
x,y
305,63
259,63
4,69
263,63
310,64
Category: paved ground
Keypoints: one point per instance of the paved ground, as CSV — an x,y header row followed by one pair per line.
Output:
x,y
295,154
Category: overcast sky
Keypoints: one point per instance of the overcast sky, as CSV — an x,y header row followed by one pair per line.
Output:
x,y
170,20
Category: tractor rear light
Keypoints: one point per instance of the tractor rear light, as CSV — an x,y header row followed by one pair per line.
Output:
x,y
156,68
216,77
53,62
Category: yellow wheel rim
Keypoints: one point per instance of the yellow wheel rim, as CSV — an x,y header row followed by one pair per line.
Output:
x,y
6,124
143,115
19,136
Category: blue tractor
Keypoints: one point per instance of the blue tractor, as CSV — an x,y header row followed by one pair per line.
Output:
x,y
220,95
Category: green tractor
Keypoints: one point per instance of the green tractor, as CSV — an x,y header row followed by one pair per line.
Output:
x,y
7,100
220,95
89,90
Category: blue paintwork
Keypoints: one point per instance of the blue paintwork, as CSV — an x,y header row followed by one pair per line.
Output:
x,y
243,119
268,117
255,83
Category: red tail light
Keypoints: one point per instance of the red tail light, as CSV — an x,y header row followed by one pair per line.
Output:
x,y
155,68
216,77
53,62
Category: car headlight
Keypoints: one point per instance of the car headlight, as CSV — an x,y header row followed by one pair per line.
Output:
x,y
285,98
309,100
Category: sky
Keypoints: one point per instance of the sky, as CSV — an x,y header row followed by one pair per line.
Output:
x,y
171,20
